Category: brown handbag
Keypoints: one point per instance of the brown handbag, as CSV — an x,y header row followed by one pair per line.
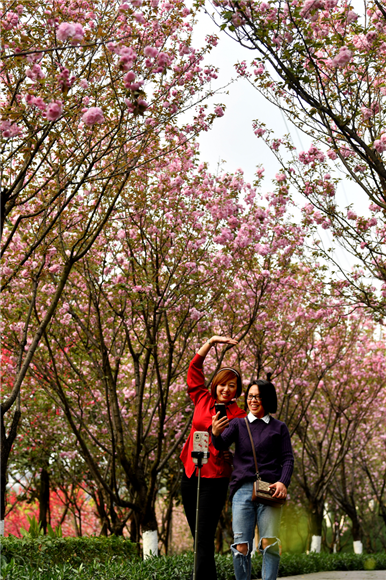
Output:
x,y
261,491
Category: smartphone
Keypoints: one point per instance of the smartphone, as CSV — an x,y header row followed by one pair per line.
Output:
x,y
200,443
220,407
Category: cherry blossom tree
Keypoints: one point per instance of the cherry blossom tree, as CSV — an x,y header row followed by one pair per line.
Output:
x,y
90,94
310,172
348,395
373,463
322,63
358,484
43,467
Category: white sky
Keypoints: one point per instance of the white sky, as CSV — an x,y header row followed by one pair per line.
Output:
x,y
232,138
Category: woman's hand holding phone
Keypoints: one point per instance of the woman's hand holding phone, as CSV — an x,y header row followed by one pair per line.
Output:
x,y
218,425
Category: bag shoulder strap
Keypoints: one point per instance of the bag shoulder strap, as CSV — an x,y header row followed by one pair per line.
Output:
x,y
253,445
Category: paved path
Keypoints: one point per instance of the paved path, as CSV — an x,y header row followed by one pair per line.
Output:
x,y
357,575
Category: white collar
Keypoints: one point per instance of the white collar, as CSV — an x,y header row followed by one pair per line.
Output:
x,y
252,418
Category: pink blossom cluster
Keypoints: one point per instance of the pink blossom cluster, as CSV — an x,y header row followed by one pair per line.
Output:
x,y
351,17
366,112
139,17
150,51
38,102
237,20
380,144
138,107
128,81
11,21
225,236
343,57
361,42
259,131
65,81
313,155
54,110
127,54
259,70
9,129
93,116
276,144
195,314
310,6
35,73
164,60
70,31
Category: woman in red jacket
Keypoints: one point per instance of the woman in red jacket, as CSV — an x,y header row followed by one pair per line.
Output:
x,y
225,387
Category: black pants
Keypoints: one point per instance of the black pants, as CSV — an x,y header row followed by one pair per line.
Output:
x,y
213,494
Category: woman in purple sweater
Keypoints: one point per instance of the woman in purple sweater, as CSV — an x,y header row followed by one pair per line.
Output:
x,y
275,461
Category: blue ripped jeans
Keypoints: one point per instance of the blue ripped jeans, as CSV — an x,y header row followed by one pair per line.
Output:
x,y
245,513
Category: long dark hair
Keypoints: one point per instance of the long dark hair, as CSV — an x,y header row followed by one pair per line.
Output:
x,y
267,394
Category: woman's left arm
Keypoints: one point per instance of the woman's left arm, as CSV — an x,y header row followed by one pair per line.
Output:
x,y
215,340
287,459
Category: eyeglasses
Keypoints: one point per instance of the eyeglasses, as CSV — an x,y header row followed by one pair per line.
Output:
x,y
256,397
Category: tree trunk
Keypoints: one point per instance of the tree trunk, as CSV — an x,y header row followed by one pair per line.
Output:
x,y
116,524
100,503
165,536
336,539
149,529
134,529
315,519
149,520
169,533
44,499
6,445
356,527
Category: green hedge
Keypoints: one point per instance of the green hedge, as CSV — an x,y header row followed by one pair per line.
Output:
x,y
292,564
116,560
46,551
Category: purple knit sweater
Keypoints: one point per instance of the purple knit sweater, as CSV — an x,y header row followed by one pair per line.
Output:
x,y
273,451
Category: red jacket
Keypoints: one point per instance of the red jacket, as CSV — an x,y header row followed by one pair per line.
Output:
x,y
202,421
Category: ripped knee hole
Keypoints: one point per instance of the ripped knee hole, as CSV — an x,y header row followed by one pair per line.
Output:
x,y
243,548
265,542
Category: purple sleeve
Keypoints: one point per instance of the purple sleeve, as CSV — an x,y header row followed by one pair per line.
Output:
x,y
287,457
227,437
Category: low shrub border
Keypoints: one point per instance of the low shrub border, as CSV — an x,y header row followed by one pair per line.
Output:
x,y
293,564
46,551
115,559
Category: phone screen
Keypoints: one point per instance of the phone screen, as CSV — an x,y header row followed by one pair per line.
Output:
x,y
220,407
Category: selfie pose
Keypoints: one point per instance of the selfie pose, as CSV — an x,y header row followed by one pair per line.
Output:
x,y
225,387
274,458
